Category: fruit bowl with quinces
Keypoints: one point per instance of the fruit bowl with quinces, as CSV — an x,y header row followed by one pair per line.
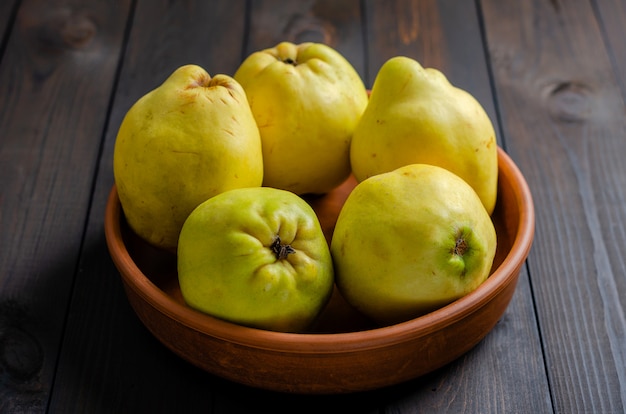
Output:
x,y
288,229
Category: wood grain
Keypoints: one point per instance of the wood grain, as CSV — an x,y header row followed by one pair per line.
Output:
x,y
470,385
611,15
7,8
337,24
108,356
53,117
551,75
435,33
565,119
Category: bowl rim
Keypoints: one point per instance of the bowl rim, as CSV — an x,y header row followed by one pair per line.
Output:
x,y
326,343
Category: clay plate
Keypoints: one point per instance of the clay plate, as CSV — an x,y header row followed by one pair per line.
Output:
x,y
344,352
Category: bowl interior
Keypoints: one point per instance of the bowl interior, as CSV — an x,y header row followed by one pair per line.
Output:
x,y
153,271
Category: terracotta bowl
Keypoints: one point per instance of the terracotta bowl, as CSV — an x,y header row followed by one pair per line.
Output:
x,y
344,352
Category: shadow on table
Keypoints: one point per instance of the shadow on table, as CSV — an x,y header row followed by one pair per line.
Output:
x,y
109,362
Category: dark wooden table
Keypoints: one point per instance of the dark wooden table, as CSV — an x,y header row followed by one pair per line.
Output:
x,y
551,74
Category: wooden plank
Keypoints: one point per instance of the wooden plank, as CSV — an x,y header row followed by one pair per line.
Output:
x,y
611,16
339,25
109,361
505,373
132,371
7,8
563,115
53,117
431,32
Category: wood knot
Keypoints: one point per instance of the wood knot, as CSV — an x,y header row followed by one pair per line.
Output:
x,y
21,354
569,101
306,28
54,31
77,31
